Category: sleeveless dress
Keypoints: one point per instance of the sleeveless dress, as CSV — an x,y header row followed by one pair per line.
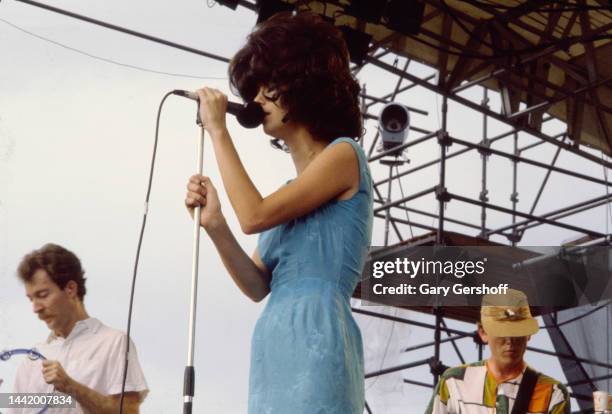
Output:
x,y
306,351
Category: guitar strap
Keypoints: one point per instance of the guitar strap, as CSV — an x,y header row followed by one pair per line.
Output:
x,y
525,391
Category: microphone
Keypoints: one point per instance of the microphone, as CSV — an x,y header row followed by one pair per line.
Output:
x,y
250,115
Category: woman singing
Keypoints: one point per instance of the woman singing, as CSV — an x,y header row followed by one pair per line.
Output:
x,y
314,231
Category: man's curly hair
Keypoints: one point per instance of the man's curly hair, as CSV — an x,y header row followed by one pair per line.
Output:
x,y
305,59
60,264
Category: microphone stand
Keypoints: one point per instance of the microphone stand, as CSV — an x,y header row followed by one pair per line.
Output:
x,y
189,375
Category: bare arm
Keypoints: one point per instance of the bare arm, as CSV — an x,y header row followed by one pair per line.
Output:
x,y
249,274
95,403
92,401
333,172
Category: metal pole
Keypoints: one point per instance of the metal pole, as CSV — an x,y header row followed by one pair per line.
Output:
x,y
453,343
363,110
485,158
569,357
388,212
437,338
395,220
404,199
519,158
408,321
546,177
494,115
557,214
514,195
428,344
397,232
442,185
432,215
525,215
448,156
561,342
403,89
400,148
376,100
397,368
189,376
413,382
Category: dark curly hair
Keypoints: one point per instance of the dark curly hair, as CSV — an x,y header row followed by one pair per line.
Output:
x,y
305,59
60,264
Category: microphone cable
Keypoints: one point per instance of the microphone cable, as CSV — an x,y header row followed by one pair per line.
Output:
x,y
142,228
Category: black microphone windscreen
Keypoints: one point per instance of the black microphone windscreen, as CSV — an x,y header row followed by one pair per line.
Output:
x,y
251,116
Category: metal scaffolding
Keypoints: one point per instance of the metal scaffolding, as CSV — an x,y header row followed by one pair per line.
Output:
x,y
503,78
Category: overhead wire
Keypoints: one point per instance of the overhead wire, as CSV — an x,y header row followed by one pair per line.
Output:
x,y
125,30
576,318
107,60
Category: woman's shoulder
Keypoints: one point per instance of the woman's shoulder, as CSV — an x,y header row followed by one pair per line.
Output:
x,y
349,140
354,144
352,149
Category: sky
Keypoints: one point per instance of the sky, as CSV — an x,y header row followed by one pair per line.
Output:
x,y
76,136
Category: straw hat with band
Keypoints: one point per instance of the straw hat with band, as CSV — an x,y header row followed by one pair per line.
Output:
x,y
507,315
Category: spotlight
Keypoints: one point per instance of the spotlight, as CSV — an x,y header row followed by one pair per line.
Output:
x,y
393,124
367,10
268,8
358,43
405,16
232,4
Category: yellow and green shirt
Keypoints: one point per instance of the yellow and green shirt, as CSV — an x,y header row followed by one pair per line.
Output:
x,y
471,389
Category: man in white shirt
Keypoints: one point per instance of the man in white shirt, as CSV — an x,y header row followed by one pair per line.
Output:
x,y
84,358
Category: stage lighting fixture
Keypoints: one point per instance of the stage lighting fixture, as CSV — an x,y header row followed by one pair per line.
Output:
x,y
358,43
393,124
232,4
268,8
405,16
367,10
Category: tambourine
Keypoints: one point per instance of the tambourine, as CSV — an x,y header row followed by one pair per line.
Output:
x,y
32,354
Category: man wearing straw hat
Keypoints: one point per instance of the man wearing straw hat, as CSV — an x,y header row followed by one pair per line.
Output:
x,y
503,384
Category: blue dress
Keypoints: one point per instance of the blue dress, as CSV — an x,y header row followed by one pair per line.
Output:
x,y
307,354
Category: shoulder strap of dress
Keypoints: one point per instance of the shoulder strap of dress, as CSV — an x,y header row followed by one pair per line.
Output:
x,y
364,176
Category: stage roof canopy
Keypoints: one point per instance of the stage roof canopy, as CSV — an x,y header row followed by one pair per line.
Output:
x,y
542,56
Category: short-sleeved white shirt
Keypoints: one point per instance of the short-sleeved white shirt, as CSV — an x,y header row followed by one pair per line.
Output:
x,y
92,354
